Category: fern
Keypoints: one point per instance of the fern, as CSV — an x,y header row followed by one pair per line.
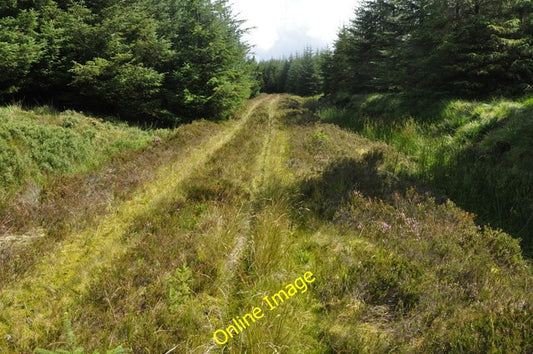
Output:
x,y
179,287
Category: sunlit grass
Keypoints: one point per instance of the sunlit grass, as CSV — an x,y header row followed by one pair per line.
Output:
x,y
249,208
37,143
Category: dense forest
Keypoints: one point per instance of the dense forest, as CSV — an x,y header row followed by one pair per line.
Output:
x,y
167,61
300,74
459,48
154,61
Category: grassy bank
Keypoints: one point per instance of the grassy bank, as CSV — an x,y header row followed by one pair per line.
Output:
x,y
480,154
41,146
35,144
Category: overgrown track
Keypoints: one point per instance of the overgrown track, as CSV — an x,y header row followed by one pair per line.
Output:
x,y
31,304
264,200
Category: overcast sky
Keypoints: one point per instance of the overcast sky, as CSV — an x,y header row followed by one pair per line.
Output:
x,y
284,27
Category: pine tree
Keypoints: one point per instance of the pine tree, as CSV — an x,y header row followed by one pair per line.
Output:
x,y
454,47
208,76
143,60
300,74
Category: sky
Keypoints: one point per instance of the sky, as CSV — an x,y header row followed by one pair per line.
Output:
x,y
283,27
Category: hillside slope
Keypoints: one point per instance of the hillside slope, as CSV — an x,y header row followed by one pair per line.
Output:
x,y
296,233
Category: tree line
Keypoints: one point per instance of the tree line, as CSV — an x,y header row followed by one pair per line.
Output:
x,y
166,61
159,61
300,74
465,48
461,48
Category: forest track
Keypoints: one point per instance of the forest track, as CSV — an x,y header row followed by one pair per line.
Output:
x,y
267,162
28,305
259,203
256,185
263,168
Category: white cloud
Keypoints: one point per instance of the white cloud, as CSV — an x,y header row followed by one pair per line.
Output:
x,y
282,27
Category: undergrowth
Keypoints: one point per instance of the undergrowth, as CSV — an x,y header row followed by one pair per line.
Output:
x,y
405,270
35,144
477,153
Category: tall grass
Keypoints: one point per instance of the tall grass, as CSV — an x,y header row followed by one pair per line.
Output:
x,y
403,272
251,207
478,153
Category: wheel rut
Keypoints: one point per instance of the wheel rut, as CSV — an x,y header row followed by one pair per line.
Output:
x,y
30,305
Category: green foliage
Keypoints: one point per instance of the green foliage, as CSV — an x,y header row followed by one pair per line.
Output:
x,y
300,74
455,48
19,49
208,76
477,153
179,287
150,61
29,150
34,145
130,89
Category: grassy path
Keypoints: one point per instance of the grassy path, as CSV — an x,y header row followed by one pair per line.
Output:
x,y
261,168
269,197
28,307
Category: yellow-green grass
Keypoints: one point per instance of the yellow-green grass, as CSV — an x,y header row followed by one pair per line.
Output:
x,y
30,305
257,205
69,204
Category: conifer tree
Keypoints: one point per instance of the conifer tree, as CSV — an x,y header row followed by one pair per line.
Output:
x,y
455,47
145,60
